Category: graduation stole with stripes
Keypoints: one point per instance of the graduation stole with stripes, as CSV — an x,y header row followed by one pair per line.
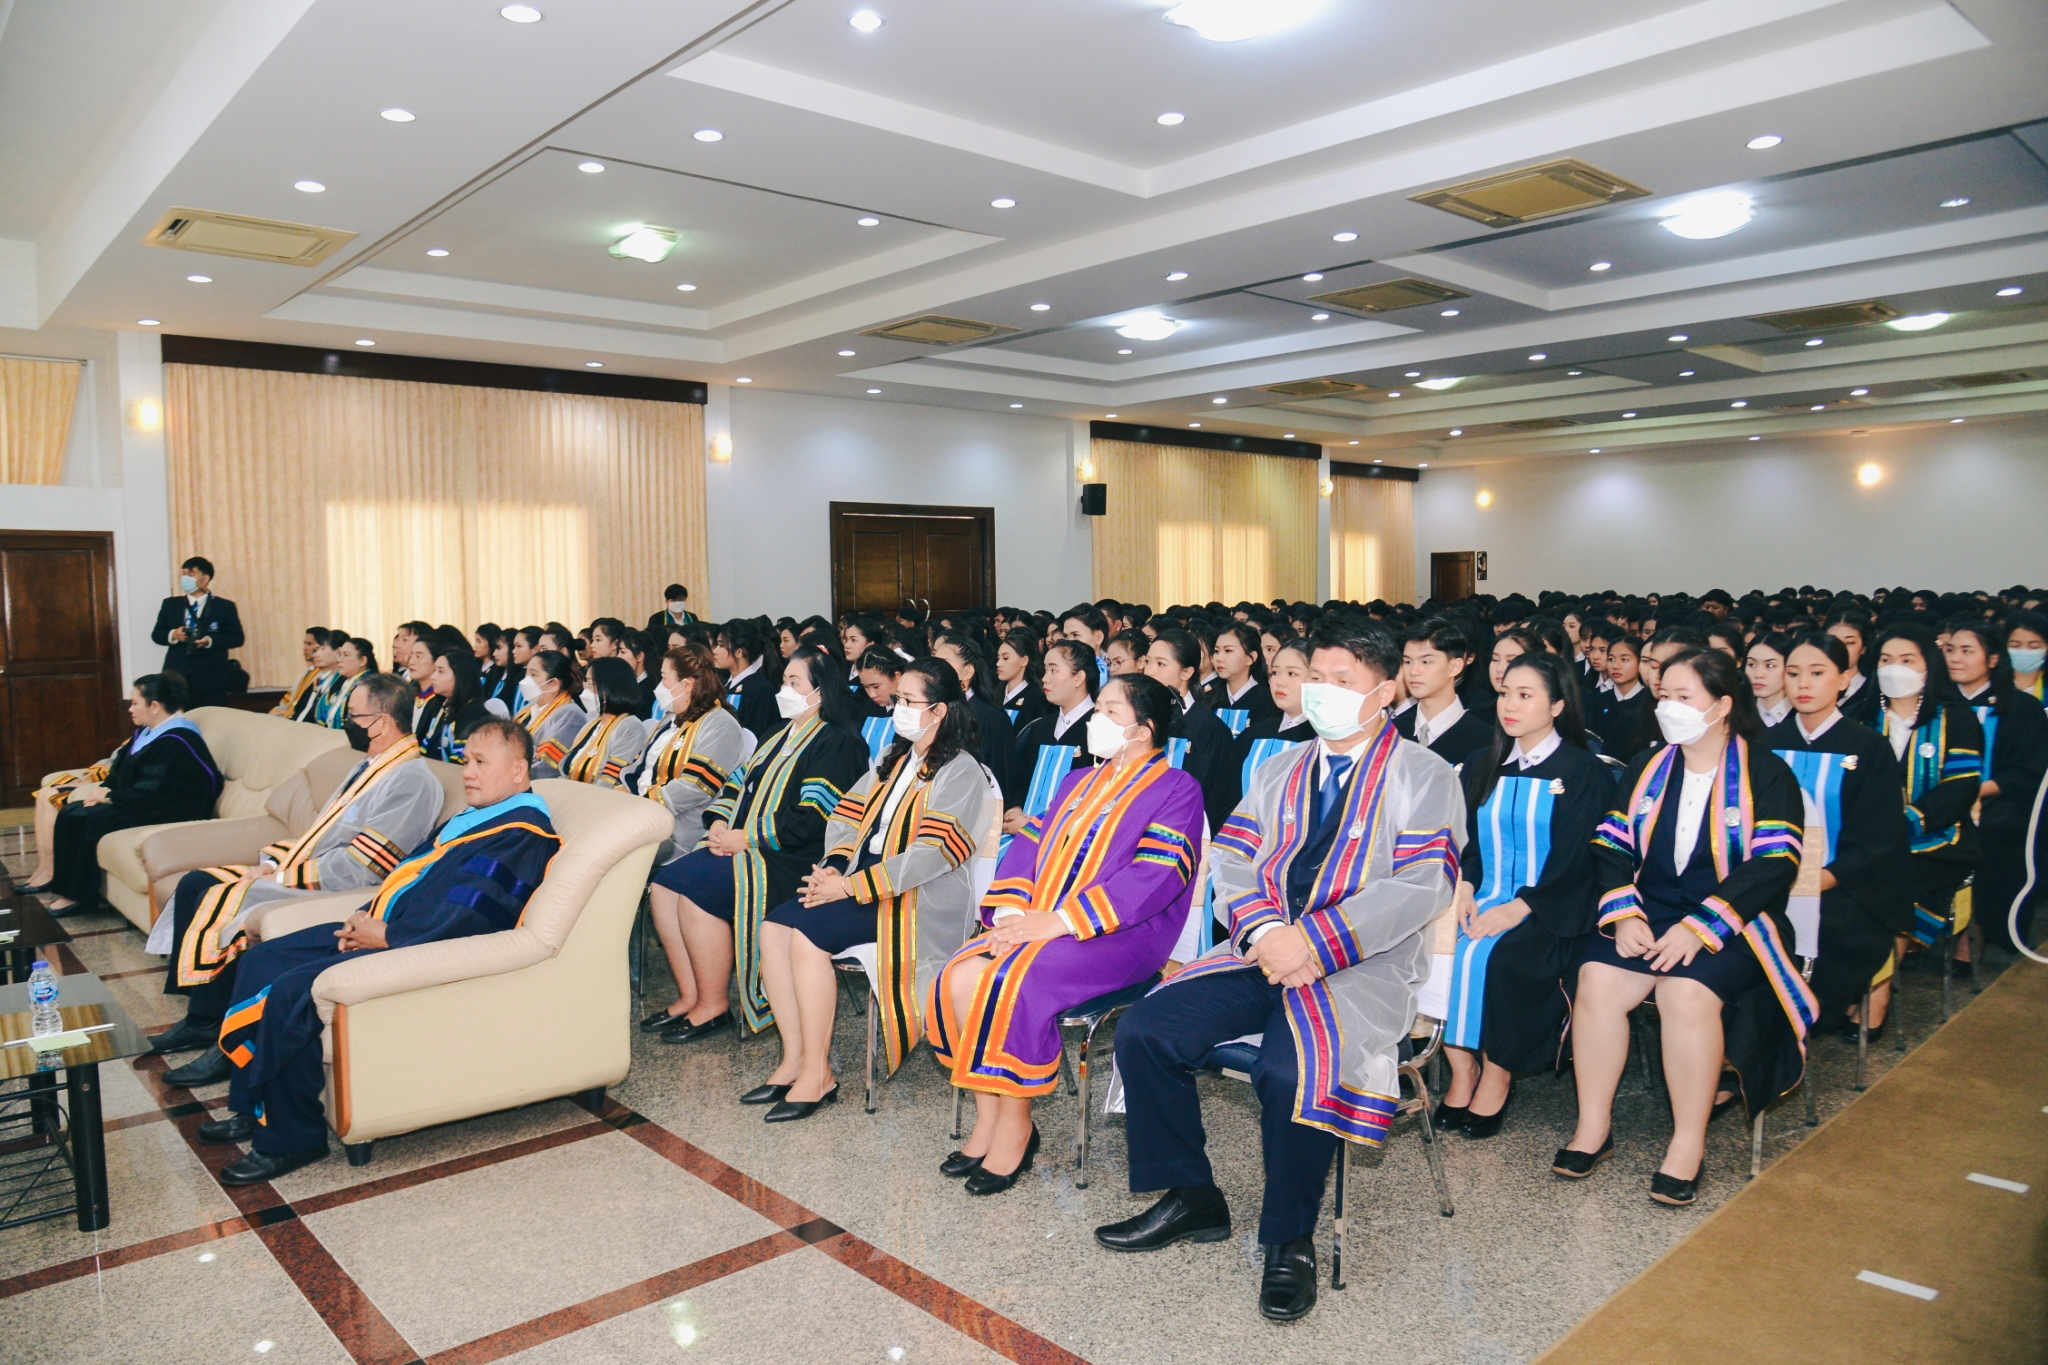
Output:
x,y
408,873
1930,761
676,761
586,760
290,702
552,751
1078,838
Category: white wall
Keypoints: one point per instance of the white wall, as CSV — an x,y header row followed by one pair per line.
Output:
x,y
1957,508
794,454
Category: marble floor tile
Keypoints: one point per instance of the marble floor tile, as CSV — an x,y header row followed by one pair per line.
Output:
x,y
430,1146
456,1259
155,1187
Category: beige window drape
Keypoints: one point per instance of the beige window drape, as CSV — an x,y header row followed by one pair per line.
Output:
x,y
1191,526
36,399
361,503
1372,539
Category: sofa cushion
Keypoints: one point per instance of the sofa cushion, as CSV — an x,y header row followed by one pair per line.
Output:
x,y
257,753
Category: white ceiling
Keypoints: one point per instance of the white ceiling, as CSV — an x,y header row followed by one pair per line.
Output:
x,y
117,110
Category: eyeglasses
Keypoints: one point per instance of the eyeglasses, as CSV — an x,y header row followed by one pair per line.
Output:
x,y
364,719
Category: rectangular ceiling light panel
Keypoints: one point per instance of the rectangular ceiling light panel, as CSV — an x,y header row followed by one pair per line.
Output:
x,y
1314,388
251,239
1833,315
1389,295
935,329
1533,192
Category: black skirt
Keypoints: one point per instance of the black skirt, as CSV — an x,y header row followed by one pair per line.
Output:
x,y
832,927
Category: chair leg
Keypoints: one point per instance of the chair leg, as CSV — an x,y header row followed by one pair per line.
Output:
x,y
1975,938
1812,1114
1863,1039
1756,1148
1948,966
959,1101
874,1028
1430,1146
1086,1091
1067,1067
1897,1013
591,1099
1337,1219
358,1152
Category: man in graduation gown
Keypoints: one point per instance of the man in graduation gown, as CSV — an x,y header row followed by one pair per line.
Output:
x,y
386,807
473,877
1341,856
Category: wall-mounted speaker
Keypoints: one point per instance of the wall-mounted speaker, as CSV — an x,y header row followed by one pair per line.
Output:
x,y
1094,499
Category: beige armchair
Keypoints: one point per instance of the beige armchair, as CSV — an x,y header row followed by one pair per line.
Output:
x,y
257,755
444,1031
170,851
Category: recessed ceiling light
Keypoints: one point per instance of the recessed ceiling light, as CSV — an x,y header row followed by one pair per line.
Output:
x,y
868,222
708,135
1178,275
200,279
1344,237
1041,308
1318,317
1375,459
1858,393
1313,276
593,364
1818,341
1148,327
1232,21
1448,313
743,380
874,390
1740,403
1956,202
1919,322
1756,438
646,243
148,322
520,14
1422,464
1109,414
1003,203
1601,265
1594,451
1219,399
1194,424
397,115
590,167
846,353
1540,355
364,341
1678,336
1354,443
865,21
1412,374
1764,143
1575,373
1123,350
437,251
1818,407
1016,405
687,288
1687,374
1393,393
1709,215
1955,421
309,187
1441,384
1628,414
1457,431
1171,120
2010,290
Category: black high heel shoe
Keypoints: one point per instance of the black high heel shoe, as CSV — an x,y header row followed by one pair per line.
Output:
x,y
958,1163
788,1111
1449,1116
1670,1190
985,1181
1481,1126
766,1094
1578,1165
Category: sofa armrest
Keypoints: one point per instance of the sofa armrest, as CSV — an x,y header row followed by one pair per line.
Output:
x,y
289,916
400,970
207,843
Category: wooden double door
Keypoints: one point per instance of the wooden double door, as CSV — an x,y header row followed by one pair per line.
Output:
x,y
886,554
60,669
1452,574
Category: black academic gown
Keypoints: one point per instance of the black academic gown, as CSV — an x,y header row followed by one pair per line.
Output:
x,y
1210,747
1027,706
1469,732
753,702
2016,731
1257,699
173,778
1869,901
1037,734
995,744
1627,727
1863,705
205,670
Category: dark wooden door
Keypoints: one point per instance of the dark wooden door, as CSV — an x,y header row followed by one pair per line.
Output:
x,y
885,554
60,672
1451,575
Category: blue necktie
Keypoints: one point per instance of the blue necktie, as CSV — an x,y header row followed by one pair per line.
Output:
x,y
1330,797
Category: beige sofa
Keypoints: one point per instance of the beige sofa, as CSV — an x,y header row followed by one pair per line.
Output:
x,y
444,1031
170,851
256,754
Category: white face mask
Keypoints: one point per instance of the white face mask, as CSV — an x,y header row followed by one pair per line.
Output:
x,y
1679,723
677,608
1897,681
589,702
529,691
2028,660
1106,738
664,700
188,583
1337,712
791,703
906,720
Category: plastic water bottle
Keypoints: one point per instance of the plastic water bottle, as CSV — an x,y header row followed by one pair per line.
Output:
x,y
43,1018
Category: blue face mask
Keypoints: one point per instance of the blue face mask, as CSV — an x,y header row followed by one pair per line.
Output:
x,y
188,583
2028,660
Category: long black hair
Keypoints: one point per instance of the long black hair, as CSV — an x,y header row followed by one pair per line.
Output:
x,y
1723,677
835,703
618,693
1560,685
1940,689
1991,640
461,660
970,654
1023,642
956,730
1248,638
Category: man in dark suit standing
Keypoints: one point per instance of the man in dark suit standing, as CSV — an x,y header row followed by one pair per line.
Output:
x,y
200,629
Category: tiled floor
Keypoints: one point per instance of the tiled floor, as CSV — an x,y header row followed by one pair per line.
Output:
x,y
676,1221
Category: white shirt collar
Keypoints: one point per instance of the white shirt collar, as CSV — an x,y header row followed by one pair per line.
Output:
x,y
1606,684
1249,684
197,599
1982,688
1549,746
1634,688
1067,718
1772,715
749,671
1014,689
1187,702
1440,723
1856,681
1289,722
1825,726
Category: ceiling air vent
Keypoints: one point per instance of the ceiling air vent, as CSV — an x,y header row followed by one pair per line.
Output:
x,y
935,329
1314,388
252,239
1986,380
1533,192
1538,424
1834,315
1389,295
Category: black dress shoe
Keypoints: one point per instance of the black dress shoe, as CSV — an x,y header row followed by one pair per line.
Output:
x,y
189,1036
1731,1083
208,1068
1449,1116
1669,1189
257,1167
1579,1165
958,1163
657,1021
789,1111
1481,1126
985,1181
1193,1213
235,1128
1288,1288
681,1030
34,888
765,1094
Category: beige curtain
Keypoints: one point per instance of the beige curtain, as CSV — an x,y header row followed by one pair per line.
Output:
x,y
1372,539
361,503
1191,526
36,398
